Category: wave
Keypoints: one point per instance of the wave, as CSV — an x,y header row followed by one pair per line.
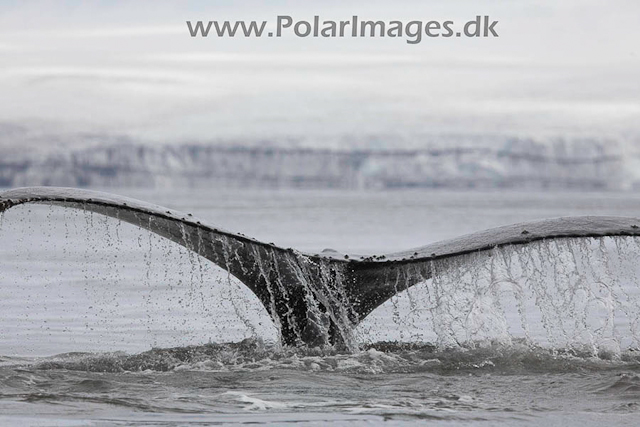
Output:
x,y
376,358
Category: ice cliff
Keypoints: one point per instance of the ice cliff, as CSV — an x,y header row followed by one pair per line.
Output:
x,y
380,162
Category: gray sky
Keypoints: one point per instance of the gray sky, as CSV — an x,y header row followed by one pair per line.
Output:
x,y
132,68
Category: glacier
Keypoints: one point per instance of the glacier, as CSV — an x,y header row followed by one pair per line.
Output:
x,y
342,162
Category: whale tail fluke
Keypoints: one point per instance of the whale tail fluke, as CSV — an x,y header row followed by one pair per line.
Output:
x,y
314,299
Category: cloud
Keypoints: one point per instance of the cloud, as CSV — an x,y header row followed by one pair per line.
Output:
x,y
132,67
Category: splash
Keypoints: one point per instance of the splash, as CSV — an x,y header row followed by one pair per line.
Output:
x,y
254,355
572,294
580,294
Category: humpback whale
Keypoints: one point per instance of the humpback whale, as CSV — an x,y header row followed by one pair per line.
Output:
x,y
314,299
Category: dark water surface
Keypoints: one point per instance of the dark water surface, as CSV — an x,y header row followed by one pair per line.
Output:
x,y
248,383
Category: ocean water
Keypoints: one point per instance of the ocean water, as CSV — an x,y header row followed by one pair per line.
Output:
x,y
106,324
